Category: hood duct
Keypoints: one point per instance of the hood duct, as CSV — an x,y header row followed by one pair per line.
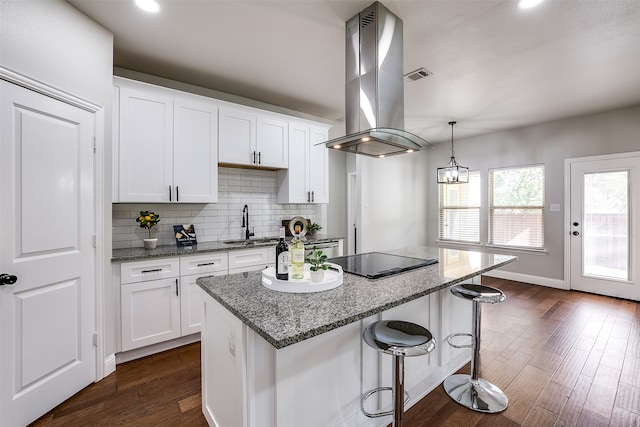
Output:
x,y
374,112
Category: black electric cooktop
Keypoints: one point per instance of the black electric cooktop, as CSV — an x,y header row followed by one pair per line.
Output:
x,y
376,264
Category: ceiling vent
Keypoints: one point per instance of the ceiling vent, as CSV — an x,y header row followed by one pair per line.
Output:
x,y
418,74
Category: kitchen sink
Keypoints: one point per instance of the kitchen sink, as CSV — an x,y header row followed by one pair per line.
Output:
x,y
253,242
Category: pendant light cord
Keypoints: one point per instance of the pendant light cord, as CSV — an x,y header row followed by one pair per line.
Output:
x,y
451,124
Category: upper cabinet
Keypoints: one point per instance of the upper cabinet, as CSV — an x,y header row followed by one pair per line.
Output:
x,y
307,178
248,138
168,144
166,148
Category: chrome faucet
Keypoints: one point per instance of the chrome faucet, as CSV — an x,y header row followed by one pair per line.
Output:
x,y
245,222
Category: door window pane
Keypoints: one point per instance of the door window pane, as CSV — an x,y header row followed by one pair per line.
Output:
x,y
605,226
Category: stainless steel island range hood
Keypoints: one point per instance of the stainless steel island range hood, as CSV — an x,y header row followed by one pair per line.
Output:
x,y
374,112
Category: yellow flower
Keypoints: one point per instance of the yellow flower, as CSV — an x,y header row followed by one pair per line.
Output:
x,y
148,218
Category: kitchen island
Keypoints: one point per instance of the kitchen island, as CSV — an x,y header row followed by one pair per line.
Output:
x,y
280,359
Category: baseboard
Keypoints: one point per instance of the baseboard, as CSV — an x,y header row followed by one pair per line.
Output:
x,y
527,278
137,353
109,365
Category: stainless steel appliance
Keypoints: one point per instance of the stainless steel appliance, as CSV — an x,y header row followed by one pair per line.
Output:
x,y
374,88
377,264
330,249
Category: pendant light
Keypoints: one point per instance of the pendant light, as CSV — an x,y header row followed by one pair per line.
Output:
x,y
453,173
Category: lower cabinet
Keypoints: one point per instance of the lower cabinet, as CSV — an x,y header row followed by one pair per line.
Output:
x,y
251,259
159,299
192,267
150,312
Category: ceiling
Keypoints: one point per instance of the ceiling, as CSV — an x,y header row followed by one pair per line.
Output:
x,y
494,66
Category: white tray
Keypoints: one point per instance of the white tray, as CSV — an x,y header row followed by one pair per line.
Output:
x,y
332,279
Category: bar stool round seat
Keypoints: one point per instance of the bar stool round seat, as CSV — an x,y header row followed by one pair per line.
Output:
x,y
400,339
470,390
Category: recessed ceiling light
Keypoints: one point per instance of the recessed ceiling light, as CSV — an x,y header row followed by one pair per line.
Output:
x,y
526,4
148,5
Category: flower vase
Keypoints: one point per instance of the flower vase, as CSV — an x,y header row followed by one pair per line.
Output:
x,y
317,276
150,243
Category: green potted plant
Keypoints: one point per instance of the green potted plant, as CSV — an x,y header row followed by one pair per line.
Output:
x,y
318,264
148,220
313,228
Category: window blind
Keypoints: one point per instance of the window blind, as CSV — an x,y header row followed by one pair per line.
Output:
x,y
516,207
459,210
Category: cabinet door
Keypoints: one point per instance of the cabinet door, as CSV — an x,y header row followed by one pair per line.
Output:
x,y
150,312
191,304
294,182
272,143
318,166
146,145
195,150
237,137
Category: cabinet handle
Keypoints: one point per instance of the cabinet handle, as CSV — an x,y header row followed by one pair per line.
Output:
x,y
254,158
177,193
259,157
177,293
169,193
206,263
308,196
155,270
313,196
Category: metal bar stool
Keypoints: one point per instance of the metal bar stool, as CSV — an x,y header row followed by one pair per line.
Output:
x,y
399,339
469,390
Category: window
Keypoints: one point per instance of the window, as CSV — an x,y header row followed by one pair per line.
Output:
x,y
460,210
516,207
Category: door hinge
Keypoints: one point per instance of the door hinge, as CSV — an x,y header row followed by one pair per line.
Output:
x,y
95,339
94,242
94,144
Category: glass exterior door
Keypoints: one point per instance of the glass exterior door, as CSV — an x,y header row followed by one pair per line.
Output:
x,y
604,250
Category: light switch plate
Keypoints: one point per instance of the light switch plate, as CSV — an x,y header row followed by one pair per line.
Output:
x,y
554,207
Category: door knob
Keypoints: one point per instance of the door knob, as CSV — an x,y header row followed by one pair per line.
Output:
x,y
575,233
7,279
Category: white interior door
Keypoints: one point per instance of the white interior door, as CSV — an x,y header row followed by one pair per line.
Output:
x,y
604,224
47,318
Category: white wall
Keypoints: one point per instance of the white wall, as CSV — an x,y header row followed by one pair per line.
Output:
x,y
393,202
549,144
217,221
52,42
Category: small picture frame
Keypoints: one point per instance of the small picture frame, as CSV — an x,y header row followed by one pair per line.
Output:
x,y
185,235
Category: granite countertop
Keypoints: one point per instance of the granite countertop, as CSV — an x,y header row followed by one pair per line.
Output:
x,y
284,319
139,254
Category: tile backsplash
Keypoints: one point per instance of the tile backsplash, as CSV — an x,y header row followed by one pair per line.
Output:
x,y
216,221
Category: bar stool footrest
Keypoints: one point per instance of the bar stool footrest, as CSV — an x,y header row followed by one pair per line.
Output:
x,y
371,393
450,337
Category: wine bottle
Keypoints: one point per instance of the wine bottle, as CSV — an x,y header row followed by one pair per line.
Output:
x,y
282,258
297,256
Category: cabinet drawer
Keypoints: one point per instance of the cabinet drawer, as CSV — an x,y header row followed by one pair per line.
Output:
x,y
251,257
142,271
199,264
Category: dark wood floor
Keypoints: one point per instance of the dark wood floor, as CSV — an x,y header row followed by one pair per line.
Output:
x,y
563,359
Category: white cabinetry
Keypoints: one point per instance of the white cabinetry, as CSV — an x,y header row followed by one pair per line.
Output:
x,y
166,145
307,178
251,259
159,298
192,267
150,302
251,139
